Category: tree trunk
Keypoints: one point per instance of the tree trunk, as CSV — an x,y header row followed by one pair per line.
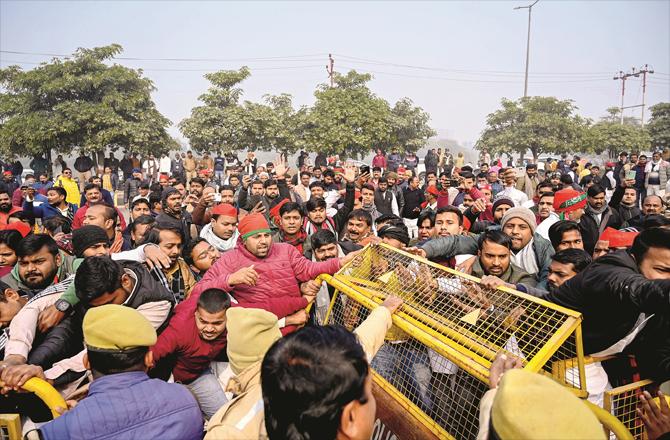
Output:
x,y
47,156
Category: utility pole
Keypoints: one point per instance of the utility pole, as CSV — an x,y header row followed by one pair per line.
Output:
x,y
329,69
644,72
623,77
525,83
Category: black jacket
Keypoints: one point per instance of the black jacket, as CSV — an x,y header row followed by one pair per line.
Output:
x,y
63,341
591,230
384,201
611,293
413,199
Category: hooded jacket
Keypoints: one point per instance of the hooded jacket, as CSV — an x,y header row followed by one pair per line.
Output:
x,y
278,276
13,279
611,293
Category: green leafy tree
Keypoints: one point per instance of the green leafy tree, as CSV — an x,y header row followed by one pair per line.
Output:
x,y
609,135
80,103
221,124
537,124
275,125
347,119
409,126
659,125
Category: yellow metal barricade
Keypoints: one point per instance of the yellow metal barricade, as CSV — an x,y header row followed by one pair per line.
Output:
x,y
622,402
437,356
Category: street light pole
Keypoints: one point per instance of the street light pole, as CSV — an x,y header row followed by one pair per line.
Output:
x,y
525,83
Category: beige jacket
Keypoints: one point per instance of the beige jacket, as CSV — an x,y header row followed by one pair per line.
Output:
x,y
243,417
189,164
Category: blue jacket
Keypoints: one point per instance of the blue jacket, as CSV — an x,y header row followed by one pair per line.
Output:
x,y
44,210
130,406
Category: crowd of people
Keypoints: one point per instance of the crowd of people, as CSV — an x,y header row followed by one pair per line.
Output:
x,y
173,292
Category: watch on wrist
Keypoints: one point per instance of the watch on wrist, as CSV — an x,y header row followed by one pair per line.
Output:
x,y
63,306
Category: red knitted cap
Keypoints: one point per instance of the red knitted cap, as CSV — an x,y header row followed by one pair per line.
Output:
x,y
568,200
225,209
618,239
253,224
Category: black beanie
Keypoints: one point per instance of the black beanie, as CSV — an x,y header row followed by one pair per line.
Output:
x,y
398,232
85,237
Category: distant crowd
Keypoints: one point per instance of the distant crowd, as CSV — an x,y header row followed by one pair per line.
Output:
x,y
180,293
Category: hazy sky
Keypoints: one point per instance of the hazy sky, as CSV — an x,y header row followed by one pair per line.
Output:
x,y
454,59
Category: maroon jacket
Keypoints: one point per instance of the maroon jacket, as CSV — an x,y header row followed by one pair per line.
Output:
x,y
181,338
279,274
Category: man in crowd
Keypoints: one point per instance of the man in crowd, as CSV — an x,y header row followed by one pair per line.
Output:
x,y
106,196
657,175
200,256
569,204
173,214
83,165
221,231
359,228
628,207
566,234
614,291
317,215
179,277
106,218
530,251
509,188
196,336
448,221
67,182
6,207
544,206
56,205
150,168
131,187
598,215
93,197
564,266
117,342
494,258
40,264
528,183
414,198
289,218
249,271
385,199
368,201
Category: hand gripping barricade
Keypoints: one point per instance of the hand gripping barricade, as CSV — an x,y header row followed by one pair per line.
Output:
x,y
10,424
433,369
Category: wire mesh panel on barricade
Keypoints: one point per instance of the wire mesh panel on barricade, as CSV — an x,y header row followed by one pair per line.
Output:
x,y
622,402
437,355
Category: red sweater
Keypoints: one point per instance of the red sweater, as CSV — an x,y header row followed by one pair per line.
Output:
x,y
277,289
181,339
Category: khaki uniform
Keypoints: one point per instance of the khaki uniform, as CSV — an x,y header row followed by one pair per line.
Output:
x,y
244,418
189,168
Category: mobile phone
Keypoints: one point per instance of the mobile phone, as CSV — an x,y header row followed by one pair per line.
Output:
x,y
453,183
217,197
365,169
58,230
252,201
630,175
